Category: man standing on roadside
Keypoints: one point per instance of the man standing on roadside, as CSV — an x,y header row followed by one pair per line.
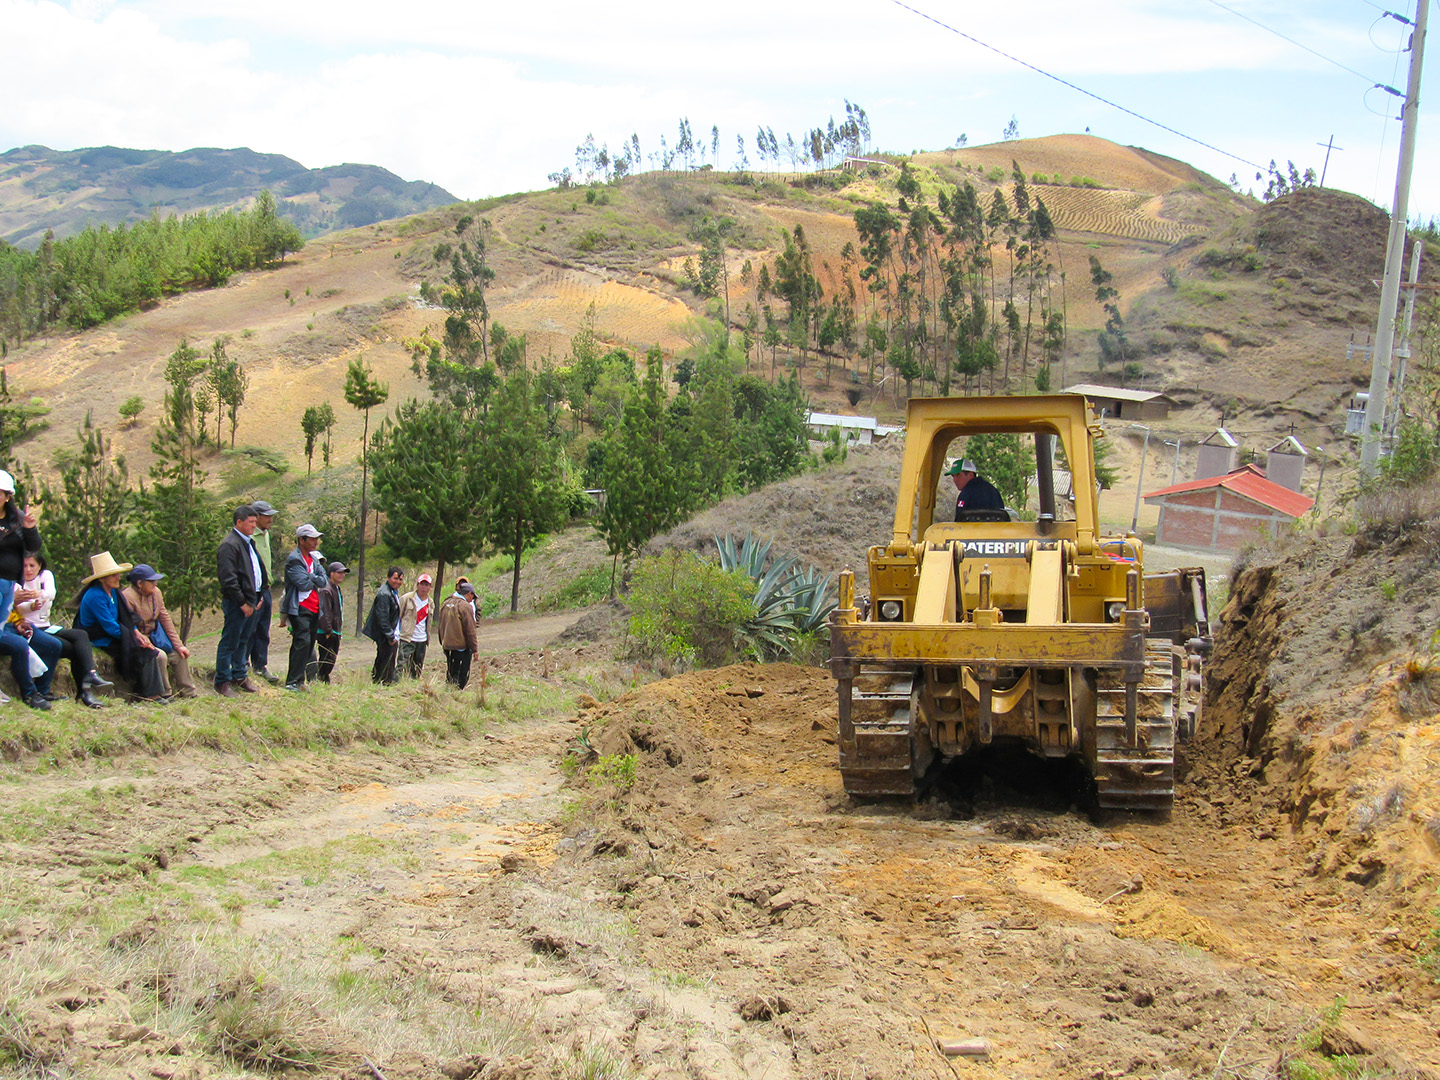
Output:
x,y
415,609
305,576
242,580
383,626
260,643
455,629
332,616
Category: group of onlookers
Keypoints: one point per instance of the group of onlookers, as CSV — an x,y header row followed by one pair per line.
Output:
x,y
120,609
311,607
400,625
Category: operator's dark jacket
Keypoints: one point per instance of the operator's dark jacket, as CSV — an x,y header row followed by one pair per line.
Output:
x,y
384,615
236,574
978,494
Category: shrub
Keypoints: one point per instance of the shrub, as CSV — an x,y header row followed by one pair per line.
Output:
x,y
689,609
589,240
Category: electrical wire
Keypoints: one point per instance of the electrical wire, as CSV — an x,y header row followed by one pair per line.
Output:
x,y
1292,41
1386,120
1077,89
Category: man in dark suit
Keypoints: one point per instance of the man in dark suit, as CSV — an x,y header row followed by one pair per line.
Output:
x,y
242,580
383,626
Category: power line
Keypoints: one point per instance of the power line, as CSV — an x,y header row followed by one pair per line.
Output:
x,y
1077,89
1292,41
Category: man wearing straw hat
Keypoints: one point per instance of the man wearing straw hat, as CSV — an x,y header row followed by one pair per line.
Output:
x,y
242,580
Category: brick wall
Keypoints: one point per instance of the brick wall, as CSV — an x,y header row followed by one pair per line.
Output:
x,y
1215,518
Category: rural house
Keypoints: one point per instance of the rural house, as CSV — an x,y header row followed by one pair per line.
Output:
x,y
1117,403
1222,513
858,429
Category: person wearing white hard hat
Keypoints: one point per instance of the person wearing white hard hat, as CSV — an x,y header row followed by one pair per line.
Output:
x,y
19,532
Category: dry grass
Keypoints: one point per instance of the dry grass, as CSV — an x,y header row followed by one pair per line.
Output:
x,y
214,993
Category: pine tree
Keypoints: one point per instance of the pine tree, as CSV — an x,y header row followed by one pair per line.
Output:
x,y
428,483
644,493
312,425
364,392
524,473
89,510
180,524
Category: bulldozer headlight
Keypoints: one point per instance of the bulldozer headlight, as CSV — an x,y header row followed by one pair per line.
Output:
x,y
890,610
1115,609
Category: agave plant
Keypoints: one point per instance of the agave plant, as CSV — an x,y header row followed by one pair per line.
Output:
x,y
813,602
789,601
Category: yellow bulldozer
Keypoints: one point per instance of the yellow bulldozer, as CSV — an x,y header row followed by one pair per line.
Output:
x,y
995,629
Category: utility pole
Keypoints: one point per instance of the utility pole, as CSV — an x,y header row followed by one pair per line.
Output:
x,y
1175,468
1394,253
1417,252
1328,147
1140,480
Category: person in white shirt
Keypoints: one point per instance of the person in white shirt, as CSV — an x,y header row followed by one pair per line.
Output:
x,y
33,602
416,615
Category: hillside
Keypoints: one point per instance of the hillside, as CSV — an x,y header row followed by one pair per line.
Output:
x,y
63,191
1231,309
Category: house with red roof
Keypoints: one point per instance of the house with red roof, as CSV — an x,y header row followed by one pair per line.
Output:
x,y
1225,512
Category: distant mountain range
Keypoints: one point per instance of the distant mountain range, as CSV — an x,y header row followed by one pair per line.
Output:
x,y
65,190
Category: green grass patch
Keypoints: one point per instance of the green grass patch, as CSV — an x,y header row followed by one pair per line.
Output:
x,y
326,718
590,587
316,865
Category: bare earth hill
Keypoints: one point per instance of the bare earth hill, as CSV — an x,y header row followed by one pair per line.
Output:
x,y
1235,309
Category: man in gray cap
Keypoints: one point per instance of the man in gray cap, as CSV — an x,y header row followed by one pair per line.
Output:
x,y
305,575
260,643
332,622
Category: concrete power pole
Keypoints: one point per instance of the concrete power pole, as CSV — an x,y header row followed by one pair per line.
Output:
x,y
1394,254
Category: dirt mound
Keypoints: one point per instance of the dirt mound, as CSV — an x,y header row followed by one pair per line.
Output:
x,y
1323,231
1324,704
855,933
827,519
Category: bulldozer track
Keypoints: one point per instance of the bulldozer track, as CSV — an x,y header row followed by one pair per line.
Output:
x,y
880,759
1139,776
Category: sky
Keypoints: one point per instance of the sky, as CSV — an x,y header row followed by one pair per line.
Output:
x,y
487,98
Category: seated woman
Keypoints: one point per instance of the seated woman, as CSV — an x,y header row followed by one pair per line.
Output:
x,y
33,600
15,644
152,618
108,620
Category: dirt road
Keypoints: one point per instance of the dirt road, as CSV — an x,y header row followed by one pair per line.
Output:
x,y
709,905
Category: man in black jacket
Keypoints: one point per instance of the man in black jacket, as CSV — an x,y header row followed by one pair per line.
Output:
x,y
242,579
331,623
383,626
973,491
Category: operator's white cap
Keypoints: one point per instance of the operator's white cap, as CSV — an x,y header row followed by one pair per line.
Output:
x,y
7,482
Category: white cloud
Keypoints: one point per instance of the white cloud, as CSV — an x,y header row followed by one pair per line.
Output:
x,y
485,98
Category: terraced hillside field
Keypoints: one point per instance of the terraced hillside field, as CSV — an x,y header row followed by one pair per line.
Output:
x,y
1133,215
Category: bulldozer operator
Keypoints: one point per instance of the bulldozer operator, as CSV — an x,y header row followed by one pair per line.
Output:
x,y
973,491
